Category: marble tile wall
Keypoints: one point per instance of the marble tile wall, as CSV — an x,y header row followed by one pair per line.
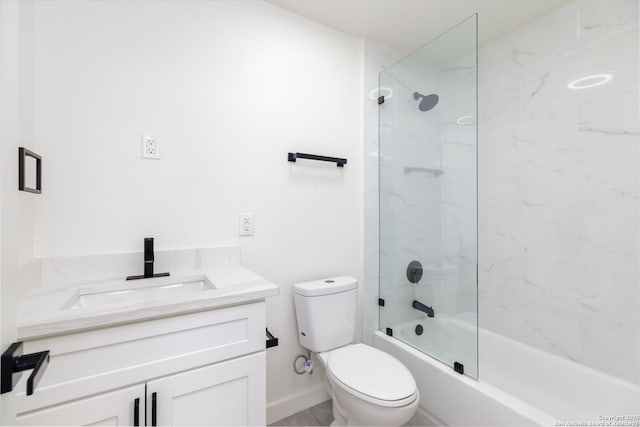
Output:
x,y
427,169
410,213
376,58
559,196
459,182
558,186
61,272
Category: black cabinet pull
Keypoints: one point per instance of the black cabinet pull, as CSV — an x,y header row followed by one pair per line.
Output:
x,y
153,409
136,412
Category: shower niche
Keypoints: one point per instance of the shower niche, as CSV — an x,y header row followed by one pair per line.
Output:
x,y
428,199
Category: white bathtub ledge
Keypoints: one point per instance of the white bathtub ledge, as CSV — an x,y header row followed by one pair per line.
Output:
x,y
458,400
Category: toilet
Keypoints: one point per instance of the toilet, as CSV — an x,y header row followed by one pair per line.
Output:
x,y
368,387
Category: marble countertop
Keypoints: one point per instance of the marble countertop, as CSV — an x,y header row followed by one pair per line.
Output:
x,y
48,313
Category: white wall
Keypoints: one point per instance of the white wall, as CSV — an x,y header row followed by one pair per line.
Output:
x,y
16,118
227,88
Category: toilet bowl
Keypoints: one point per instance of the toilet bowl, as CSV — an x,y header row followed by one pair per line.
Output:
x,y
368,386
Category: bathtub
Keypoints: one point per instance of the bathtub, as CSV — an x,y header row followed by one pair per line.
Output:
x,y
519,384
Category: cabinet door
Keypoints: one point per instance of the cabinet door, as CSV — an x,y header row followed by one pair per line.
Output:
x,y
226,393
115,408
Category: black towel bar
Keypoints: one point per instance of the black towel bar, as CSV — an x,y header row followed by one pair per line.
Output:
x,y
337,160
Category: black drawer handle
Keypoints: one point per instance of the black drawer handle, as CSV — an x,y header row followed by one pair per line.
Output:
x,y
136,412
153,409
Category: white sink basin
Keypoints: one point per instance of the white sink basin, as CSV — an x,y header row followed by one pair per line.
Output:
x,y
131,292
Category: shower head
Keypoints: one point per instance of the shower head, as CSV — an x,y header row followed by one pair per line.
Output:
x,y
427,102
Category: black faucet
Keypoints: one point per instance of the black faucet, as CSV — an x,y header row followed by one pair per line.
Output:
x,y
424,308
149,259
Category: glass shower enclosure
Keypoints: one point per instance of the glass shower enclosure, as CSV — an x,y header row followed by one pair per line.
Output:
x,y
428,199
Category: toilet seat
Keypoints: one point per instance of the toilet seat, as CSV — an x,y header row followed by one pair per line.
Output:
x,y
371,375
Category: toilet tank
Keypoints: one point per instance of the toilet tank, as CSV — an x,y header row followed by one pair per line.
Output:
x,y
326,312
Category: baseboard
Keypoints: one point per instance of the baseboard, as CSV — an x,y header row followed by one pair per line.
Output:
x,y
291,404
431,419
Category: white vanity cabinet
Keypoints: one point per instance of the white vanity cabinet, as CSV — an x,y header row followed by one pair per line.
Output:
x,y
229,393
115,408
203,368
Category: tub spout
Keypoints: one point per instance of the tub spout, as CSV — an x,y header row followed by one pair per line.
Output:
x,y
424,308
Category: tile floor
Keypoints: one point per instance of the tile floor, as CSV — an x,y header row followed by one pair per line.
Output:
x,y
319,415
322,415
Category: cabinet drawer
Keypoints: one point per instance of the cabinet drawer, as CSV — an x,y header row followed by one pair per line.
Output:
x,y
104,359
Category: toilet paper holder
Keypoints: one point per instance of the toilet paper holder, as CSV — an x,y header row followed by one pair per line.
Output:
x,y
271,340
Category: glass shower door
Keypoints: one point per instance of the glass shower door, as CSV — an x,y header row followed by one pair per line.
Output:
x,y
428,199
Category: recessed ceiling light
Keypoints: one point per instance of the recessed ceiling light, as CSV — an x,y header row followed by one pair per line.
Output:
x,y
592,80
387,92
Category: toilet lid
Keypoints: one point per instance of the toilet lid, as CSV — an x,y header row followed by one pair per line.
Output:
x,y
371,372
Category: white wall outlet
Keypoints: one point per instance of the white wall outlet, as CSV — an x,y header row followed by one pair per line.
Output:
x,y
150,147
246,224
